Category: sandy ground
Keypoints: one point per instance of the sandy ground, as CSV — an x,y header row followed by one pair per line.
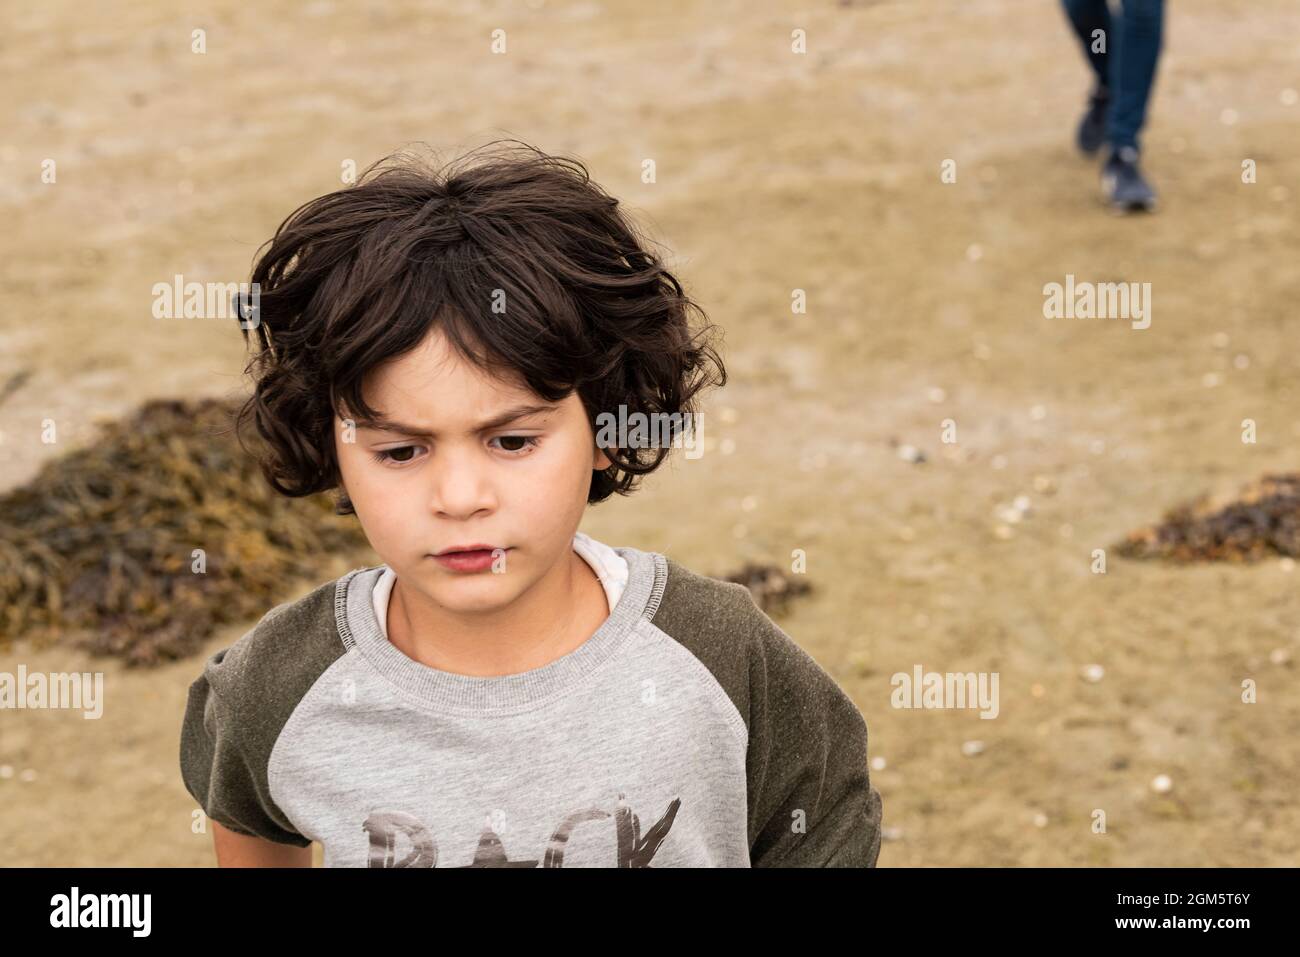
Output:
x,y
775,172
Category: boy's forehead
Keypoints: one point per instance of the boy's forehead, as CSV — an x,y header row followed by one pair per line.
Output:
x,y
429,401
435,373
436,404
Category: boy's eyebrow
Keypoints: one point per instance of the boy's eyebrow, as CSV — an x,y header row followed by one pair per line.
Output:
x,y
509,415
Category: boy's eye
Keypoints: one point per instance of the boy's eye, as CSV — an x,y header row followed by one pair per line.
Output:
x,y
395,455
528,442
518,445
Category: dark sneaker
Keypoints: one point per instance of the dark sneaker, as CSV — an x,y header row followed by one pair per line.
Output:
x,y
1123,184
1092,128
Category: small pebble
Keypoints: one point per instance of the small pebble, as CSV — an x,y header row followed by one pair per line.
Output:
x,y
878,763
1279,656
1009,514
891,833
1040,819
972,748
1093,673
1162,784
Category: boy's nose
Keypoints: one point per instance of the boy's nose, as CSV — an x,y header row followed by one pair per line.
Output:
x,y
461,487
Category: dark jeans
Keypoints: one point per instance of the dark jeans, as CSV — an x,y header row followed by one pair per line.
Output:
x,y
1127,68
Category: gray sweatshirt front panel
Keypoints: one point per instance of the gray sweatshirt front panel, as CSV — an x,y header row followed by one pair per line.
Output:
x,y
626,752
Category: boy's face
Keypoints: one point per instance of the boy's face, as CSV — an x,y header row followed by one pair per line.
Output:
x,y
448,481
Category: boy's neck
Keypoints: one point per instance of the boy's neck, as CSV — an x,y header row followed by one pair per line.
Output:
x,y
560,612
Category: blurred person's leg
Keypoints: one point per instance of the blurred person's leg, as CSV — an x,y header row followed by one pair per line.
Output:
x,y
1136,48
1133,72
1092,24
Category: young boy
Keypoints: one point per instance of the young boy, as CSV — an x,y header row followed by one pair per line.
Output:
x,y
503,691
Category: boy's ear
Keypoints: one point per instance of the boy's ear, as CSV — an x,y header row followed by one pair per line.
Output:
x,y
601,461
342,503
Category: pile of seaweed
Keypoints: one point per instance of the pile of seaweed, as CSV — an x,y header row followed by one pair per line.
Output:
x,y
1263,522
141,544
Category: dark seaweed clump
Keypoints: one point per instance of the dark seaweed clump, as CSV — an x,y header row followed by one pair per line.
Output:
x,y
1264,522
102,547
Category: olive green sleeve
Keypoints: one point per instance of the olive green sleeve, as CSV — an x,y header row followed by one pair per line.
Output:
x,y
229,783
811,799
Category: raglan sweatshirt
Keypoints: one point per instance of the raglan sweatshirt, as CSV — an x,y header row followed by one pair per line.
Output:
x,y
689,730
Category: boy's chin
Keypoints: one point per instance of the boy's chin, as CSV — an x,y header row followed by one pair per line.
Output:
x,y
463,604
479,591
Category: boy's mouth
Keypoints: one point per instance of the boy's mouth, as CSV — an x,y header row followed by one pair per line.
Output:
x,y
473,558
476,547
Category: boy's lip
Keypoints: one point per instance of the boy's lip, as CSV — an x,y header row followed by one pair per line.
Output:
x,y
469,548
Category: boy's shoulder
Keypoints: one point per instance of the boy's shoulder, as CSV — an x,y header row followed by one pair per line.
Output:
x,y
282,655
237,707
806,741
748,654
711,613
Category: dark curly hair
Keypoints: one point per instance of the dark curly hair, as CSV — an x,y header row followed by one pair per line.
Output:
x,y
359,276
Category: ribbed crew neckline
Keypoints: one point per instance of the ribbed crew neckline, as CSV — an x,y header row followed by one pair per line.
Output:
x,y
354,615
